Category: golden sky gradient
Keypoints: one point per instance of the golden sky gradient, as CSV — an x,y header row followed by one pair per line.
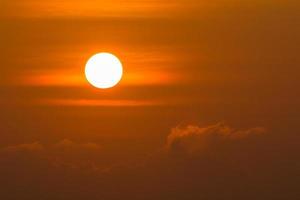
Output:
x,y
208,107
129,8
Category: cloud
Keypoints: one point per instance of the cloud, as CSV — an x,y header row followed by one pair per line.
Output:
x,y
28,147
193,139
64,154
69,144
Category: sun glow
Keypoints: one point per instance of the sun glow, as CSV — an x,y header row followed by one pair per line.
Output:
x,y
103,70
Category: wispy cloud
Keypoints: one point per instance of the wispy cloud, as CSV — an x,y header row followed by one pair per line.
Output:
x,y
89,8
98,103
29,147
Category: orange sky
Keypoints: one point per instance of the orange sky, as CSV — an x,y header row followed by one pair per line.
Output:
x,y
208,107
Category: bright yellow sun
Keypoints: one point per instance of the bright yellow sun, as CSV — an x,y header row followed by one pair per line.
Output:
x,y
103,70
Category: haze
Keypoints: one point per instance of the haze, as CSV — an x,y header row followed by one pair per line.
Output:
x,y
208,106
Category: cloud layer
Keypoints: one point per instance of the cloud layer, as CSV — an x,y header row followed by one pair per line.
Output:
x,y
200,162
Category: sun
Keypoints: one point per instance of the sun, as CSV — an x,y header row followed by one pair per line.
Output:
x,y
103,70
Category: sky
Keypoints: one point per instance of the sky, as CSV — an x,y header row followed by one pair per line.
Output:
x,y
208,106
